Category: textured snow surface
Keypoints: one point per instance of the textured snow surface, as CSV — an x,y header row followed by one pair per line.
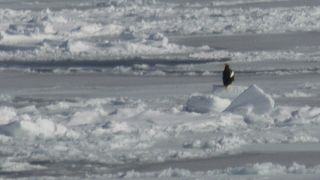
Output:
x,y
131,89
112,30
120,131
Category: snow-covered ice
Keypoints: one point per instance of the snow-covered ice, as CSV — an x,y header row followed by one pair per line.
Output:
x,y
48,127
108,89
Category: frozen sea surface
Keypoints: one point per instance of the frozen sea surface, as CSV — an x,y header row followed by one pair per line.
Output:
x,y
153,30
100,126
107,89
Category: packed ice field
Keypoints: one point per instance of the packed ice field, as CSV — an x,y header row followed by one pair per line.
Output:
x,y
132,89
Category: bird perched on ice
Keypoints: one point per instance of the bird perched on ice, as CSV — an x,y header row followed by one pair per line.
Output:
x,y
228,76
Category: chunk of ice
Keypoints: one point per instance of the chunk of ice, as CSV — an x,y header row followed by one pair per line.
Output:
x,y
206,103
253,100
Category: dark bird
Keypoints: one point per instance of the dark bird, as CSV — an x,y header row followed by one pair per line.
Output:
x,y
228,75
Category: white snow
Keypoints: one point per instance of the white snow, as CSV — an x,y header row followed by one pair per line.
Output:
x,y
140,29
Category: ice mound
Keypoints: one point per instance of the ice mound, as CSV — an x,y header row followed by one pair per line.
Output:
x,y
230,93
252,100
41,127
206,103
